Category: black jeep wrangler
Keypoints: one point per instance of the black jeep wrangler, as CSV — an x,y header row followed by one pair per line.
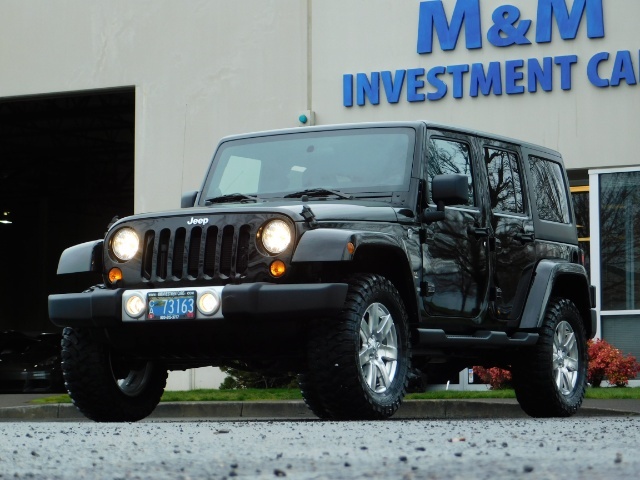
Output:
x,y
352,255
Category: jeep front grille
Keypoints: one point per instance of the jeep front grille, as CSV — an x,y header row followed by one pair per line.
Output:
x,y
196,253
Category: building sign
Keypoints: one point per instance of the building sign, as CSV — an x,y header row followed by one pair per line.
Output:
x,y
508,30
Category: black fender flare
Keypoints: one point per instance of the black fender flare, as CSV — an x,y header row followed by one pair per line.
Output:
x,y
85,257
331,245
545,277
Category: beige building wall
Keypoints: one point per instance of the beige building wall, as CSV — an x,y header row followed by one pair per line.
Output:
x,y
207,68
202,69
591,126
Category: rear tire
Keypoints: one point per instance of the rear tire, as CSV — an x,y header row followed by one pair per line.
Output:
x,y
550,379
359,361
104,388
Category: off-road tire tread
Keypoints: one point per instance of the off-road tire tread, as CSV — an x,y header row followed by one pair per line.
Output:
x,y
533,374
91,386
311,397
334,386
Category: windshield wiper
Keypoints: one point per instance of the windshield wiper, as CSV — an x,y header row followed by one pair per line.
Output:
x,y
231,197
318,192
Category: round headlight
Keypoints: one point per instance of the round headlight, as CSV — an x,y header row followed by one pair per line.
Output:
x,y
276,236
209,303
125,244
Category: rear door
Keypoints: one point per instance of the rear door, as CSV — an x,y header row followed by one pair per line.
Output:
x,y
513,247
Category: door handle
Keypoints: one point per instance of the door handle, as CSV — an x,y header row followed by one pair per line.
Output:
x,y
478,232
525,237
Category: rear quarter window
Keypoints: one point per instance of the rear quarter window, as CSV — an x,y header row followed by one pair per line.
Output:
x,y
550,190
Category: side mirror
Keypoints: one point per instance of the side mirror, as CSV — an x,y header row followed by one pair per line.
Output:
x,y
450,189
188,199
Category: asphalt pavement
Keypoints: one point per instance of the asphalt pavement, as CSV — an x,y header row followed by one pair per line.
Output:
x,y
19,407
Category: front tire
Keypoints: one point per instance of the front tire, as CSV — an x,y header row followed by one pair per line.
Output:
x,y
359,361
551,379
104,388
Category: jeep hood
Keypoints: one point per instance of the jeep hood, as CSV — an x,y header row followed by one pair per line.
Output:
x,y
342,210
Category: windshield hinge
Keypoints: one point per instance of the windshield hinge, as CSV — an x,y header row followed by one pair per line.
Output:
x,y
308,216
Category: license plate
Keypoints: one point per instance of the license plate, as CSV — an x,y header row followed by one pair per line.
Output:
x,y
175,305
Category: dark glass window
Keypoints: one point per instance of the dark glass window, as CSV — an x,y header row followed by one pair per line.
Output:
x,y
355,160
580,197
450,157
505,185
620,240
550,192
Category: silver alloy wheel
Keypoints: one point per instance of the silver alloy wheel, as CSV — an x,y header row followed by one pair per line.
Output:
x,y
136,380
566,358
378,348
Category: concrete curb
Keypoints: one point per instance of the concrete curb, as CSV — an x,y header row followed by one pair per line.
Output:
x,y
296,409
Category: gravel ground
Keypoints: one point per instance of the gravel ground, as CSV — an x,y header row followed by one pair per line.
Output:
x,y
591,448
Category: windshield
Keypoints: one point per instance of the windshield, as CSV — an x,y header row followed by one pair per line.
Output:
x,y
358,160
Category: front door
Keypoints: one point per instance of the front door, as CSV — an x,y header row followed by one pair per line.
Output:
x,y
455,250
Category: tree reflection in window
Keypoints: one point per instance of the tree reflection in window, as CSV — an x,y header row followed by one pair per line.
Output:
x,y
449,157
505,186
550,194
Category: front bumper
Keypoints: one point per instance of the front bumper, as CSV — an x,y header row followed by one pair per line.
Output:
x,y
104,307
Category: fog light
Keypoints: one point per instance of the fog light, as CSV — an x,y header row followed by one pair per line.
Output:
x,y
135,306
277,268
209,303
115,274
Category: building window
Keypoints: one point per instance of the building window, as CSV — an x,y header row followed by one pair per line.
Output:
x,y
620,240
580,197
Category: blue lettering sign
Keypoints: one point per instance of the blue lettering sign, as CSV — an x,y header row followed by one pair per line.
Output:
x,y
568,23
432,16
368,89
457,72
513,75
393,86
347,90
540,75
434,80
484,83
623,69
565,62
414,83
592,69
504,32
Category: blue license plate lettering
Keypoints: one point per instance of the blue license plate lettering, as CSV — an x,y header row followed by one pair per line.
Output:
x,y
174,305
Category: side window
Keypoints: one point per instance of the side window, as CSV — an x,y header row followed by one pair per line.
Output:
x,y
505,184
549,190
449,156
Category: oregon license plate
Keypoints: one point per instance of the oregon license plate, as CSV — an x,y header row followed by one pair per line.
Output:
x,y
172,305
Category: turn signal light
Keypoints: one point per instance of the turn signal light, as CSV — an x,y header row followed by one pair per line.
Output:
x,y
115,274
277,268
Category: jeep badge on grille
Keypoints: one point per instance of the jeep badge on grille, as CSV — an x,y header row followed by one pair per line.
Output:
x,y
198,221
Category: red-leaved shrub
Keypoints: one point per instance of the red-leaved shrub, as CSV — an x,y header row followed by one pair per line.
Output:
x,y
497,378
606,362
